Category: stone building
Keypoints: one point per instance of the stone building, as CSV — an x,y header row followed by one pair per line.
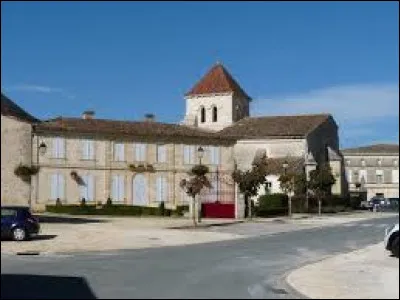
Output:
x,y
373,170
95,159
16,149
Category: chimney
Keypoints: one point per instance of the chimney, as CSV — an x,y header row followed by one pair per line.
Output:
x,y
149,117
88,114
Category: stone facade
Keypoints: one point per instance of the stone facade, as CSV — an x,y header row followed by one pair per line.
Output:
x,y
16,148
103,167
373,172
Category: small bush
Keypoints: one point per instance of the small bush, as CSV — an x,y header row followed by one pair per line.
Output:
x,y
271,212
161,208
58,202
355,202
83,202
109,202
181,209
273,201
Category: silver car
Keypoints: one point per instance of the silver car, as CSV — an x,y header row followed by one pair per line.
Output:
x,y
391,240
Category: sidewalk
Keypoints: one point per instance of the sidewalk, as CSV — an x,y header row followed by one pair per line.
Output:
x,y
369,273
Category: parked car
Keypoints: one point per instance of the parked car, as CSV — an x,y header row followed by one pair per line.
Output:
x,y
18,223
391,240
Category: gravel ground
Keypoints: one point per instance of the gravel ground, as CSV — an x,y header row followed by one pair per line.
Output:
x,y
369,273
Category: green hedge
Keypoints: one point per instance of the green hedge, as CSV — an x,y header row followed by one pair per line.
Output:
x,y
273,201
271,212
121,210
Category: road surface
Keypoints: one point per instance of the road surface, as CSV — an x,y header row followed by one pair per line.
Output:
x,y
246,268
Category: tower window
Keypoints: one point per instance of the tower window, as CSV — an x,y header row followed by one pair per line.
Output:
x,y
202,115
214,114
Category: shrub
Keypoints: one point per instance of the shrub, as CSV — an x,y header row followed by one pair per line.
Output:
x,y
58,202
181,209
355,202
271,212
273,201
109,202
83,202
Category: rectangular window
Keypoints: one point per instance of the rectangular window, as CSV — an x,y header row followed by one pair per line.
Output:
x,y
118,188
188,154
87,187
140,152
362,177
58,147
349,174
395,176
161,153
214,155
57,187
379,176
162,189
87,149
119,152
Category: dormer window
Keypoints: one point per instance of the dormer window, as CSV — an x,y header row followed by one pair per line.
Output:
x,y
363,162
214,114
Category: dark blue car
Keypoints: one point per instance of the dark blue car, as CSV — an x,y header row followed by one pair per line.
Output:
x,y
18,223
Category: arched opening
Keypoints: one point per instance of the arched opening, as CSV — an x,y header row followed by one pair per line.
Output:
x,y
202,115
214,114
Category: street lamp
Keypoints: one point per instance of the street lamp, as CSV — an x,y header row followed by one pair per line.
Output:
x,y
200,153
42,149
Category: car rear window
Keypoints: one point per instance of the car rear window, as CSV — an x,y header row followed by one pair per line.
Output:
x,y
8,212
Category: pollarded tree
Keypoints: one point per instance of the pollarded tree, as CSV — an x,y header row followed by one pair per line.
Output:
x,y
194,185
320,183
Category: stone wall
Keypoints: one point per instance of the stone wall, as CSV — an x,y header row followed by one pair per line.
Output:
x,y
15,150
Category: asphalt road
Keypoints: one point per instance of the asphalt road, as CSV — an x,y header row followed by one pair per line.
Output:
x,y
246,268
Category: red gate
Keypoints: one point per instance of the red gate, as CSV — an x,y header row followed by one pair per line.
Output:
x,y
219,201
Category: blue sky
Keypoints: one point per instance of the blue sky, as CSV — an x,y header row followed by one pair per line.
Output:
x,y
125,59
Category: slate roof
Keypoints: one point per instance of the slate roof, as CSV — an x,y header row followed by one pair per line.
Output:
x,y
373,149
11,109
275,126
295,165
217,80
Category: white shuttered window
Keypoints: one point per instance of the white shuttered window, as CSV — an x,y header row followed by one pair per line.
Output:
x,y
119,152
57,184
87,189
140,152
118,188
162,189
58,147
87,149
161,153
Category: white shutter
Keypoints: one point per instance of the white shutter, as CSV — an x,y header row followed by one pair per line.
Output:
x,y
121,187
60,186
138,152
186,155
90,149
61,147
161,153
53,186
114,188
90,187
349,176
395,176
85,149
159,188
55,148
83,188
216,155
165,189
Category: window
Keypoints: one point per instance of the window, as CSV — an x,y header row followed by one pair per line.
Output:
x,y
57,186
362,176
395,162
87,149
395,176
161,153
349,176
162,189
202,114
119,152
379,162
363,162
58,147
140,152
214,155
348,162
118,188
87,188
379,176
214,114
8,212
189,154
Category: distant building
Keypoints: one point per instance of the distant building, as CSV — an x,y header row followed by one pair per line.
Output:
x,y
92,158
373,170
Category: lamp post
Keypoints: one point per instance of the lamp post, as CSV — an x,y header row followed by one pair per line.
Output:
x,y
41,150
200,154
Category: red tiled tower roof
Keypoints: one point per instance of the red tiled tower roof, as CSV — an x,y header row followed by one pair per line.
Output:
x,y
217,80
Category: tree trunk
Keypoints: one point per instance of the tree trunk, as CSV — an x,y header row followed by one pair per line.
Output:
x,y
250,210
306,206
319,206
290,206
194,212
